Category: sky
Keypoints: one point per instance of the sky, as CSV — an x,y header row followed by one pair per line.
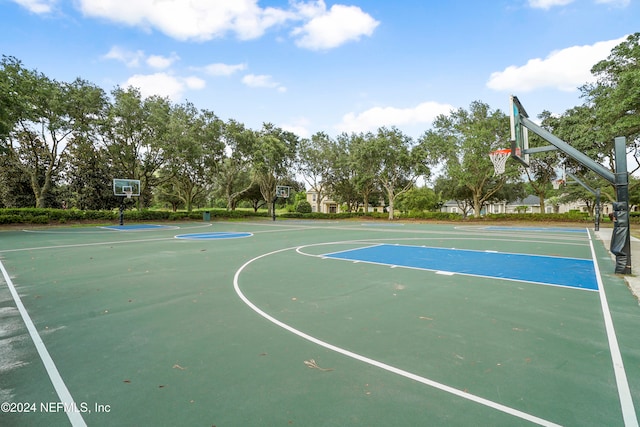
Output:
x,y
320,65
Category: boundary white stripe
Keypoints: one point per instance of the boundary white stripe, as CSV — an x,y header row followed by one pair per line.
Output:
x,y
624,393
381,365
61,389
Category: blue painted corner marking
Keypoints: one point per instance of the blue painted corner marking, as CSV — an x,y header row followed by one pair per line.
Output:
x,y
213,235
546,270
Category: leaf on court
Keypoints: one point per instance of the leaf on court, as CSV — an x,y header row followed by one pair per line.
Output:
x,y
176,366
313,365
425,318
127,381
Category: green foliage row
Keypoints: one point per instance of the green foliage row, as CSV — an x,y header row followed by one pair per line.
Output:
x,y
573,216
60,216
341,215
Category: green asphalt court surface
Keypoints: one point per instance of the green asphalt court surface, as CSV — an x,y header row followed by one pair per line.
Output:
x,y
105,327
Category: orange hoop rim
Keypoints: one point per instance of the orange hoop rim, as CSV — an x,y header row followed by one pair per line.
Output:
x,y
501,151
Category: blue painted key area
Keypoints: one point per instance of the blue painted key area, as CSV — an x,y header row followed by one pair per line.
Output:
x,y
546,270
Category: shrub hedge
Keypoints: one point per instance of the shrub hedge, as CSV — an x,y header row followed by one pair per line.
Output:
x,y
60,216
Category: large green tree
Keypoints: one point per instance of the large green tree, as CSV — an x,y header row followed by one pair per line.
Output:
x,y
85,175
193,153
316,161
461,142
233,172
272,159
615,96
342,179
44,116
136,134
399,163
365,156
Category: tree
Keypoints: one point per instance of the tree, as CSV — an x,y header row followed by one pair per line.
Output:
x,y
616,94
366,165
45,115
15,184
254,196
316,160
194,152
342,179
451,189
461,143
85,174
399,164
418,199
136,134
272,158
233,173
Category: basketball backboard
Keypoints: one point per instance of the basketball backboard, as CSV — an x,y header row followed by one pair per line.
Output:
x,y
282,191
123,186
519,133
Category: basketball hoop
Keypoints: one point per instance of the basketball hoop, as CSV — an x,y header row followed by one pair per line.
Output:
x,y
557,183
127,190
499,159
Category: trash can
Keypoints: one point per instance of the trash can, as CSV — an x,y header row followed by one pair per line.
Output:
x,y
206,216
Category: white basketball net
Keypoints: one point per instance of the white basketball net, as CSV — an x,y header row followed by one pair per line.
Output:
x,y
499,159
128,193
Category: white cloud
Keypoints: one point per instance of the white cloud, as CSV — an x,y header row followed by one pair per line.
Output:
x,y
564,70
300,127
193,19
37,6
193,82
548,4
128,57
376,117
220,69
163,84
330,29
161,62
207,19
253,80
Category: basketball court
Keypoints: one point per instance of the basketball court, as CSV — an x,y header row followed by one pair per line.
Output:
x,y
315,323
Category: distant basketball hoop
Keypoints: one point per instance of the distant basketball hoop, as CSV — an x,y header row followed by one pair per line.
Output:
x,y
282,191
557,183
499,160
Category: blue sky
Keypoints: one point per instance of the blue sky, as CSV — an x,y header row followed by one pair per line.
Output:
x,y
309,66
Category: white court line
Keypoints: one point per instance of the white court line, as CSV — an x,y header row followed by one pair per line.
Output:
x,y
381,365
61,389
624,393
80,245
